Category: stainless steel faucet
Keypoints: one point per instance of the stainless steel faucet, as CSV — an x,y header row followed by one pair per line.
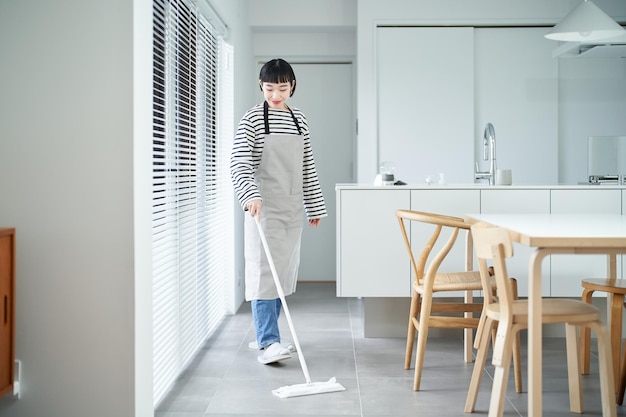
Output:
x,y
489,142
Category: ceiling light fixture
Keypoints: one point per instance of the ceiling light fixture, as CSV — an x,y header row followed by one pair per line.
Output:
x,y
587,22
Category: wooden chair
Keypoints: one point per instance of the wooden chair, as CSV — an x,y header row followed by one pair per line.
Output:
x,y
428,280
616,289
492,243
481,343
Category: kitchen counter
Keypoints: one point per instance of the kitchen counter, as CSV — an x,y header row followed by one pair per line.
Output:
x,y
417,186
372,262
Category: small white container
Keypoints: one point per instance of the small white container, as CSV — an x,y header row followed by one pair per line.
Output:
x,y
387,173
504,177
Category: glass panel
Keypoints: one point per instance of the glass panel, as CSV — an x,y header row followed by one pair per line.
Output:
x,y
606,158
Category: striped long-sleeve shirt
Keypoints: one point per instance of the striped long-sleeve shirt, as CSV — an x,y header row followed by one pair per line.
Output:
x,y
248,148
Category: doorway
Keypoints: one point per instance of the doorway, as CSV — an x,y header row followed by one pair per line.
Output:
x,y
325,93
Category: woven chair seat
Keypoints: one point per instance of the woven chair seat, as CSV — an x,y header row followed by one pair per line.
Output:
x,y
455,281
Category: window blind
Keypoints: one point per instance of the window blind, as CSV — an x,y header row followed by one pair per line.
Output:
x,y
192,213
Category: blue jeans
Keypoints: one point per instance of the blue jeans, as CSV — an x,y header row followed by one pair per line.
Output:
x,y
265,314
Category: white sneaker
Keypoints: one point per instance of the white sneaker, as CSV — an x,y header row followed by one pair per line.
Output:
x,y
255,346
274,353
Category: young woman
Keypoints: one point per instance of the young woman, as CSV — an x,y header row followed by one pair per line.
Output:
x,y
275,180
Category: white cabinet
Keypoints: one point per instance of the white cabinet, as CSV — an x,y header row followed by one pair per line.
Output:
x,y
566,271
372,260
519,201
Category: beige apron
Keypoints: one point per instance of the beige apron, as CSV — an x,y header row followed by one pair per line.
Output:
x,y
279,178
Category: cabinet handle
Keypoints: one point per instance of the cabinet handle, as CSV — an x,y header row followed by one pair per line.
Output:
x,y
6,309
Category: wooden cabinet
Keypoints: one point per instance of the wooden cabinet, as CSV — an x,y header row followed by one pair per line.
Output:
x,y
7,309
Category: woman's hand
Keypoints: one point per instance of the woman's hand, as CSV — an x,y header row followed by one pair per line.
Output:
x,y
314,222
254,207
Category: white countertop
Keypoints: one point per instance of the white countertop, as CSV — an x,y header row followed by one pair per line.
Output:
x,y
477,187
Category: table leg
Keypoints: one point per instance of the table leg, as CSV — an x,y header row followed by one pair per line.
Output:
x,y
535,332
615,306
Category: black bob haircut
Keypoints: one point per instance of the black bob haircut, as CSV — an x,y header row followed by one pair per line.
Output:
x,y
278,71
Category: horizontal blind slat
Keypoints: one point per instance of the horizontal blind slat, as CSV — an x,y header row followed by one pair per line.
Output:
x,y
192,243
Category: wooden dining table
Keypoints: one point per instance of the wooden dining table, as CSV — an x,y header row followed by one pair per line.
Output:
x,y
554,234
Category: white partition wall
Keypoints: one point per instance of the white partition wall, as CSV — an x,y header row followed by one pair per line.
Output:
x,y
425,85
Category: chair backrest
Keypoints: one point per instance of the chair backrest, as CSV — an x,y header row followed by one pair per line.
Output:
x,y
420,271
494,244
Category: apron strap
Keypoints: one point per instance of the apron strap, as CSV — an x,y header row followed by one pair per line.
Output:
x,y
265,112
267,123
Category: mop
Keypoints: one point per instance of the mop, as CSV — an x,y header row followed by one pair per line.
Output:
x,y
308,388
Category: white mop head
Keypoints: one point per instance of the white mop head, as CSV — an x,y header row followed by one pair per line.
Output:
x,y
309,388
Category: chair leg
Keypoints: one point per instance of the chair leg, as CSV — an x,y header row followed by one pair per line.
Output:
x,y
468,332
479,365
481,321
607,387
480,329
573,369
622,378
422,336
410,334
517,364
502,355
585,337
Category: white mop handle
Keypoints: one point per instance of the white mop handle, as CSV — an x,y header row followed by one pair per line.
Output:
x,y
281,294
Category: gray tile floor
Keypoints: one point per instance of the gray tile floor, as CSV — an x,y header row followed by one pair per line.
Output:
x,y
225,378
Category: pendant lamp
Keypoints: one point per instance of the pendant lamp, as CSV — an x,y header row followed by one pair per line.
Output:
x,y
587,22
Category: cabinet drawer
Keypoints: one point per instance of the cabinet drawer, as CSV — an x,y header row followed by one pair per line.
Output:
x,y
7,309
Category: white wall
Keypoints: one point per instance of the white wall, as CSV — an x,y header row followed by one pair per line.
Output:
x,y
75,146
294,15
142,195
66,169
318,30
437,12
592,101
